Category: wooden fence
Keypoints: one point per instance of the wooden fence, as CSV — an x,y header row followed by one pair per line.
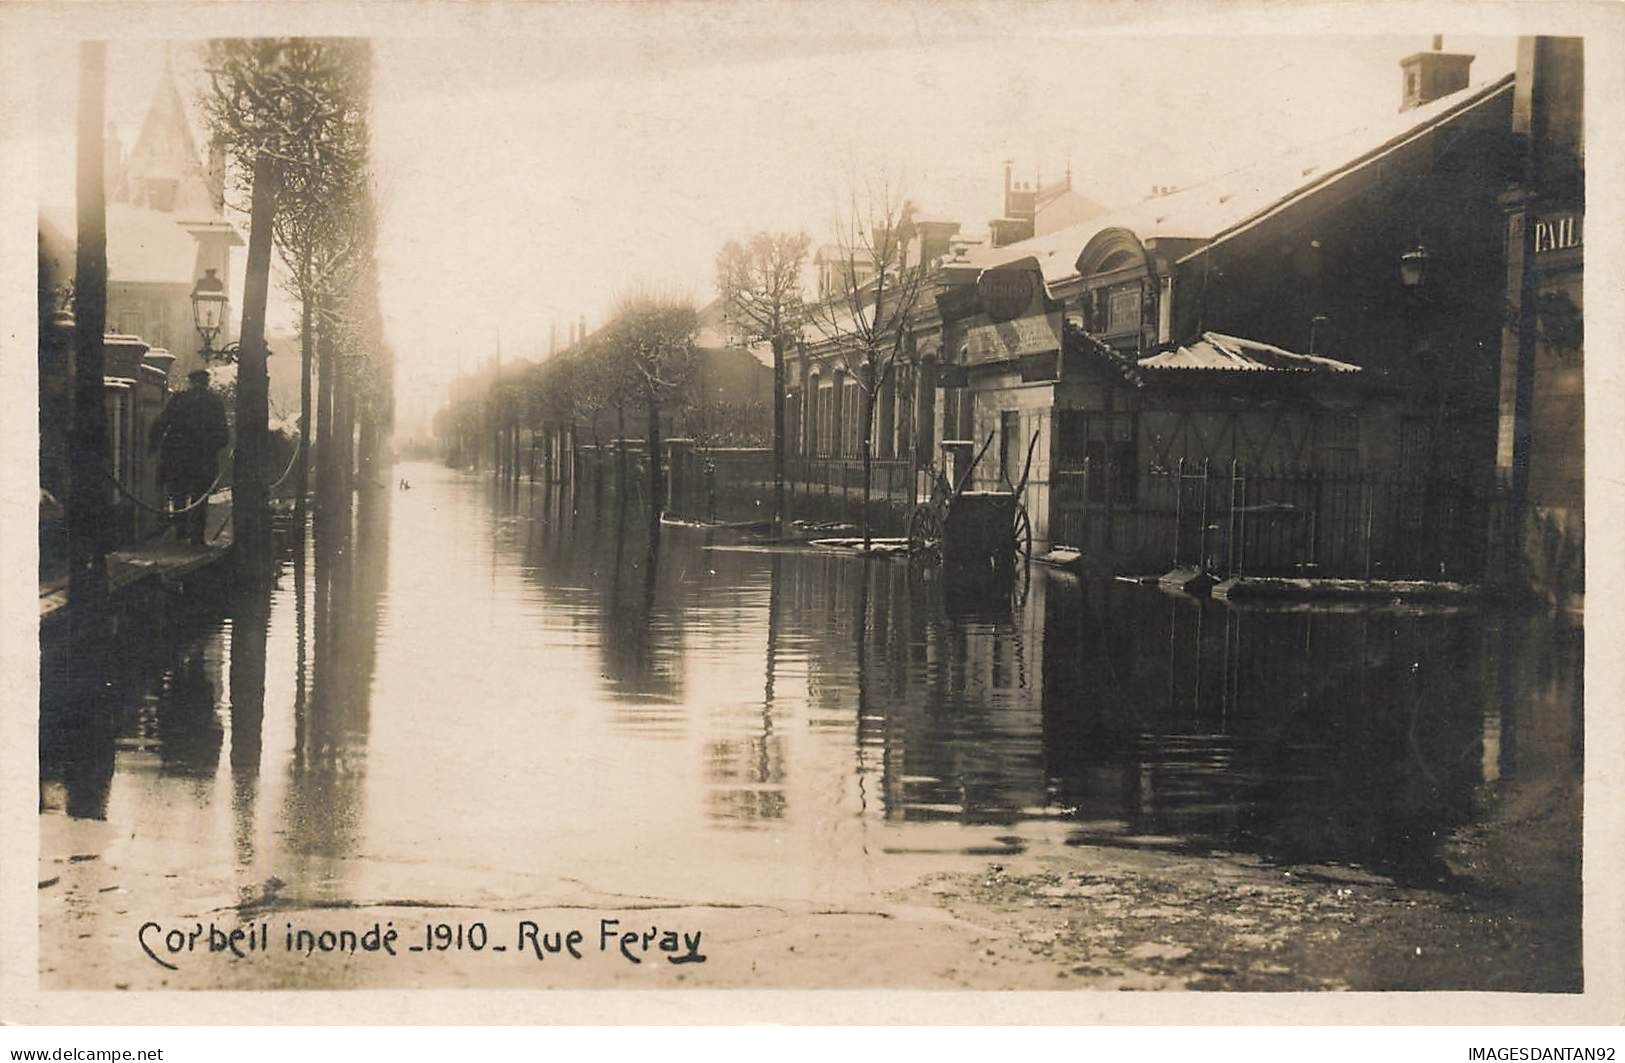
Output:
x,y
1288,521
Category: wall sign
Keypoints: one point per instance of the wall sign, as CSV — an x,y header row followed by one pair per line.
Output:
x,y
1006,293
1017,317
1015,289
1557,232
1002,340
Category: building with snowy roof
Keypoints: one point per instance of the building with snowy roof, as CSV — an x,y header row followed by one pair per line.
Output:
x,y
165,229
1334,307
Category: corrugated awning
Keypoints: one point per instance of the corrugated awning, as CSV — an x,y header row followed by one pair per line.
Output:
x,y
1216,352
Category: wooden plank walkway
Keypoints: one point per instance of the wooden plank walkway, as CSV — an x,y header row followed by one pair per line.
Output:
x,y
161,558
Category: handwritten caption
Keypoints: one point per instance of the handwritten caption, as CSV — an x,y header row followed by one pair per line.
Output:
x,y
527,939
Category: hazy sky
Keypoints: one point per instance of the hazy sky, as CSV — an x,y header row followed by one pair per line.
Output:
x,y
532,179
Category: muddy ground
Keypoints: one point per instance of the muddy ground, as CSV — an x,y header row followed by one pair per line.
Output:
x,y
1078,917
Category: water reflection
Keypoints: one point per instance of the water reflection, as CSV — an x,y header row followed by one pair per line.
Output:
x,y
1311,735
324,802
501,677
151,694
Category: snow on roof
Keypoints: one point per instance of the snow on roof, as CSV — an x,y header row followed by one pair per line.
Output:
x,y
1212,208
715,332
838,253
143,245
1218,352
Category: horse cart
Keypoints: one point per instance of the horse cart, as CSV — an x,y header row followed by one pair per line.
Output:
x,y
962,527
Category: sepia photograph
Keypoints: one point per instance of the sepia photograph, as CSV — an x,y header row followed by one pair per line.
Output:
x,y
1002,498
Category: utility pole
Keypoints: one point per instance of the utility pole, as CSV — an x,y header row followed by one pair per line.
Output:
x,y
88,501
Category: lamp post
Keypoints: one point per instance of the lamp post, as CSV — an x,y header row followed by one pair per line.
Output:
x,y
1416,269
208,310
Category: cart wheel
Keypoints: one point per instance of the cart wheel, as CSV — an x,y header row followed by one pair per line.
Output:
x,y
1021,538
924,530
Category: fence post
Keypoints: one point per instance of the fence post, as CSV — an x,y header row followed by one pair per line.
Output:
x,y
1312,494
1179,505
1241,526
1201,542
1230,536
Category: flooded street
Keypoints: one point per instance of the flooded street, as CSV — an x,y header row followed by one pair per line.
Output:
x,y
482,702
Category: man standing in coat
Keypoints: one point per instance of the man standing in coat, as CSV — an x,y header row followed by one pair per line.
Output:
x,y
188,436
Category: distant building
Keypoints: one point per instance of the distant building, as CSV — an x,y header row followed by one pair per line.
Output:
x,y
165,230
728,396
835,270
1036,209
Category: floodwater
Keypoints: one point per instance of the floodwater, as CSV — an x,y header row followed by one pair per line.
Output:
x,y
476,694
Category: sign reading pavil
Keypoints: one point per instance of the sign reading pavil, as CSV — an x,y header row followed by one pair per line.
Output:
x,y
999,341
1557,232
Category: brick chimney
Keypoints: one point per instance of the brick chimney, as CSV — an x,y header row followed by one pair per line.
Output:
x,y
1430,75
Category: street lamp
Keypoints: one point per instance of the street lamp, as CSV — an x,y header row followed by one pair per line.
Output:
x,y
208,309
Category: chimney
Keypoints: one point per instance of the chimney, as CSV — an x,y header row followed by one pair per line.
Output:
x,y
1427,76
552,339
583,328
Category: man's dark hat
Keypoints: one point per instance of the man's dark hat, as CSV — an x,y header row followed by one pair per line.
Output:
x,y
198,374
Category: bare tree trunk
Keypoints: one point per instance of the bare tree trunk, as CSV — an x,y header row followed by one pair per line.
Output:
x,y
307,344
657,472
496,431
868,452
327,445
620,443
87,501
250,514
344,423
778,435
